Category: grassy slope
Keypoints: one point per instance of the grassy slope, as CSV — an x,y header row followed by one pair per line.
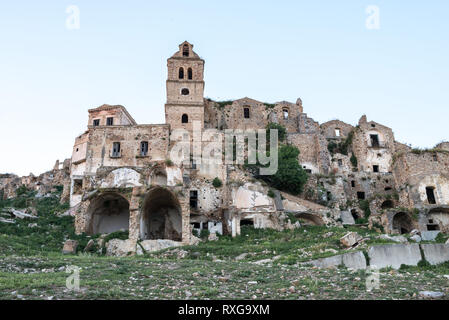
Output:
x,y
32,266
289,246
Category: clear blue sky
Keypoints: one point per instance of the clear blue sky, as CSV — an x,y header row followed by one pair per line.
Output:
x,y
320,51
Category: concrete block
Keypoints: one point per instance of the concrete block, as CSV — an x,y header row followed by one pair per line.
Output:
x,y
354,260
330,262
436,253
394,255
346,217
156,245
429,235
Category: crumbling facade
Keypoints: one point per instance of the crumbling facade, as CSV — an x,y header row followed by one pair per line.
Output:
x,y
122,176
43,184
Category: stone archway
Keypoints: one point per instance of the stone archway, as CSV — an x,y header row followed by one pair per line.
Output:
x,y
402,223
310,219
387,204
108,213
161,216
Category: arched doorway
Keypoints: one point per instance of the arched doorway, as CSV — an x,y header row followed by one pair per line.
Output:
x,y
402,223
161,216
309,219
108,213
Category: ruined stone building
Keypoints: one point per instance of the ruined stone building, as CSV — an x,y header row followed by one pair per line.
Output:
x,y
122,177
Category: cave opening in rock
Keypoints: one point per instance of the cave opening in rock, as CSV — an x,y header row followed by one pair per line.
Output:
x,y
309,219
402,223
387,204
247,222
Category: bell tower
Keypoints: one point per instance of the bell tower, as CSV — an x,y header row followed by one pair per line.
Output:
x,y
185,88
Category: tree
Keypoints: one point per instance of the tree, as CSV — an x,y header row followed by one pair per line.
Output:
x,y
290,176
282,132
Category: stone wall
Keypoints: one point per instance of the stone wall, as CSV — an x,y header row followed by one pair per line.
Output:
x,y
414,171
101,141
43,184
118,113
308,150
335,129
371,154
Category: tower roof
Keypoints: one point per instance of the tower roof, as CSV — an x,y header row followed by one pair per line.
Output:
x,y
185,52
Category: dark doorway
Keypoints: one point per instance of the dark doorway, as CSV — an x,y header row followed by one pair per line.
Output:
x,y
374,140
247,222
430,191
402,223
354,214
388,204
194,199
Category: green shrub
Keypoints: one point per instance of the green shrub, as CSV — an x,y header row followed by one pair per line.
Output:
x,y
423,264
364,205
122,235
342,147
49,234
282,132
271,193
217,183
354,161
222,104
290,176
361,221
21,190
204,234
19,203
379,226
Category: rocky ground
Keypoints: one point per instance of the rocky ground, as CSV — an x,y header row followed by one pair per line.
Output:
x,y
259,264
40,277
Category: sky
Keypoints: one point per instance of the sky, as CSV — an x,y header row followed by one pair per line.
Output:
x,y
341,59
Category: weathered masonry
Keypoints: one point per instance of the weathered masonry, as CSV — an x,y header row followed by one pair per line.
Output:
x,y
122,177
